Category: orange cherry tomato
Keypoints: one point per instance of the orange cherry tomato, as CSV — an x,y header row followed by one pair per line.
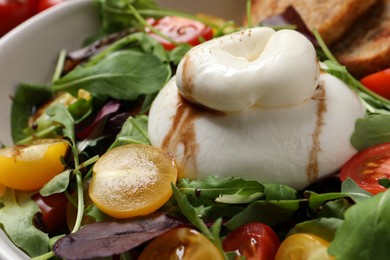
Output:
x,y
132,180
378,82
181,30
181,243
303,246
367,167
29,167
255,241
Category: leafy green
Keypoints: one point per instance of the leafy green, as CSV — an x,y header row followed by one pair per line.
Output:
x,y
134,130
26,97
371,130
16,217
365,233
56,185
334,209
267,212
122,75
206,191
354,191
191,213
275,191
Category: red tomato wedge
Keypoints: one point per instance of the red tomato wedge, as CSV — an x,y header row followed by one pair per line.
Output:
x,y
367,167
254,241
45,4
14,12
378,82
180,30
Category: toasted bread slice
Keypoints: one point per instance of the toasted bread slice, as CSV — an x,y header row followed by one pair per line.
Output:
x,y
366,47
331,18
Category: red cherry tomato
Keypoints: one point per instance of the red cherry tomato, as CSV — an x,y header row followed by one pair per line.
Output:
x,y
254,241
369,166
14,12
181,30
378,82
53,210
45,4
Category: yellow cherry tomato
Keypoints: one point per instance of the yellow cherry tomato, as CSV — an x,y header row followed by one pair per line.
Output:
x,y
132,180
29,167
181,243
303,246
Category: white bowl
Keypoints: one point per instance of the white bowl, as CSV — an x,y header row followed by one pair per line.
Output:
x,y
29,53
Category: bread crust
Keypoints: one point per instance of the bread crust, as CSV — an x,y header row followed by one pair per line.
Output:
x,y
365,49
332,18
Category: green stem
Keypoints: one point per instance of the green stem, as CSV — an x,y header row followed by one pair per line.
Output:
x,y
60,66
46,256
354,82
249,13
42,133
147,25
80,202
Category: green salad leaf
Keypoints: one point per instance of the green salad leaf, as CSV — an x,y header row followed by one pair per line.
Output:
x,y
17,211
365,233
122,75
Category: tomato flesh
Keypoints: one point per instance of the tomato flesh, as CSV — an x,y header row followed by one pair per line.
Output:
x,y
253,240
132,180
378,82
29,167
367,167
180,30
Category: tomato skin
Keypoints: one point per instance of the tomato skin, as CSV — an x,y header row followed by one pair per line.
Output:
x,y
369,166
45,4
303,246
181,243
14,12
254,241
53,209
181,30
378,82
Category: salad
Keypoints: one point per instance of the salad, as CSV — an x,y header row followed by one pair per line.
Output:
x,y
89,177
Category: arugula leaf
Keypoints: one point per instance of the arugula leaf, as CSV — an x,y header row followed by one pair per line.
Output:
x,y
371,130
26,97
353,190
365,233
267,212
206,191
274,191
134,130
122,75
57,184
334,209
16,217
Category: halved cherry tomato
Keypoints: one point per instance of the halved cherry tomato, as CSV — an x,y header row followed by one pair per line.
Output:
x,y
369,166
29,167
303,246
45,4
181,243
53,211
254,241
181,30
378,82
14,12
132,180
